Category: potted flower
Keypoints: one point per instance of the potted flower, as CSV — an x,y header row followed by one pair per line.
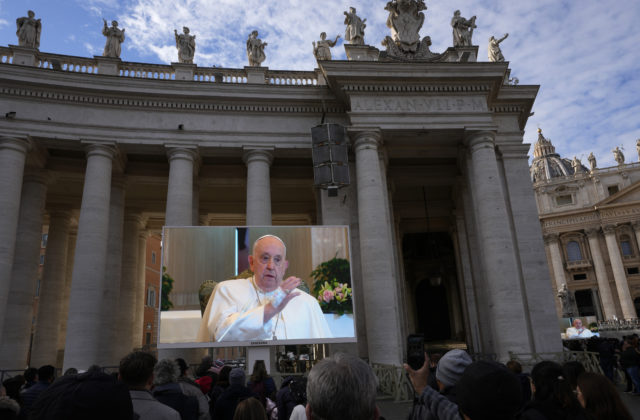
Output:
x,y
332,286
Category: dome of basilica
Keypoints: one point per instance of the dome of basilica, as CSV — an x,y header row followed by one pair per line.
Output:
x,y
547,164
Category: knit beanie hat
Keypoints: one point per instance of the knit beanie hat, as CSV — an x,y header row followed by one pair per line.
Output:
x,y
451,366
237,376
489,391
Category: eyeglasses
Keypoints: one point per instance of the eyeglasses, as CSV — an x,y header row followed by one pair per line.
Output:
x,y
276,259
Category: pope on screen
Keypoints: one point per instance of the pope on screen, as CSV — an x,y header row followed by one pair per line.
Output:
x,y
265,306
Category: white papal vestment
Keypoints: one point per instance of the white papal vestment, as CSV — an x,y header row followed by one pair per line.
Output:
x,y
235,312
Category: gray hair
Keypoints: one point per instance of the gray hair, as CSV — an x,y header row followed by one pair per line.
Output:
x,y
165,372
342,387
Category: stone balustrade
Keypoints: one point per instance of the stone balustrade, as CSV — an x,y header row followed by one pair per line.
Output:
x,y
6,55
146,71
69,63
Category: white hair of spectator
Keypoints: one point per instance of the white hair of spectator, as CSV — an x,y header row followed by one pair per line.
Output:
x,y
342,387
166,371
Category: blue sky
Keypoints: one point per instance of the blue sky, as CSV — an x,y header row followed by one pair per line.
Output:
x,y
584,54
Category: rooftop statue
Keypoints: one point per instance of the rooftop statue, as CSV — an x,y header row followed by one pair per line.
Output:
x,y
405,20
462,29
618,155
255,50
322,50
186,45
577,165
638,148
494,51
28,30
115,37
354,33
592,161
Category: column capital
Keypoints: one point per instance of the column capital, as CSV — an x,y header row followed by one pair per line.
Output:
x,y
19,144
189,153
136,216
59,212
98,148
593,231
254,154
609,229
550,238
514,150
370,138
479,139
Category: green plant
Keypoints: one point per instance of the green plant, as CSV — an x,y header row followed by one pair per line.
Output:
x,y
167,287
332,286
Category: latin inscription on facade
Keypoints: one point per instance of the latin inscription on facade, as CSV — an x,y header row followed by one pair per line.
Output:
x,y
570,220
592,217
418,104
629,211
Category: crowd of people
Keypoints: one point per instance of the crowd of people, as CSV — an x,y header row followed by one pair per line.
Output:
x,y
450,387
145,388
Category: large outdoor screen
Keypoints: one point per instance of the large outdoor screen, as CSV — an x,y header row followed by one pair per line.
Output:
x,y
255,286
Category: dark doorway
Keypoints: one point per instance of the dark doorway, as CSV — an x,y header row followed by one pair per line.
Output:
x,y
430,272
433,311
584,301
636,303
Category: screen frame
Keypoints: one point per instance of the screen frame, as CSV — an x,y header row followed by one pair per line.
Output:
x,y
257,343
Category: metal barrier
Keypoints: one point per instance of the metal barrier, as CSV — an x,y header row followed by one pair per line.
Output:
x,y
590,360
393,381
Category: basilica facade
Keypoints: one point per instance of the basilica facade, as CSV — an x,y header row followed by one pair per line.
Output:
x,y
590,218
444,230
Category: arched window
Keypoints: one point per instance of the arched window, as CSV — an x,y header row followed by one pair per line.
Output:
x,y
625,245
573,251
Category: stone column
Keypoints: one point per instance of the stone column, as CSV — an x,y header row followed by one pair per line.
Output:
x,y
606,297
505,297
636,230
485,332
64,314
179,210
140,289
13,153
129,282
540,310
52,288
466,283
391,226
258,186
110,355
196,204
553,244
380,294
86,310
626,303
19,310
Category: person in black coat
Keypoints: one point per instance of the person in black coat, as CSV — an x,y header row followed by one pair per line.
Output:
x,y
237,391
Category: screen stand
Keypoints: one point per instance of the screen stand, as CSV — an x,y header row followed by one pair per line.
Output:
x,y
258,353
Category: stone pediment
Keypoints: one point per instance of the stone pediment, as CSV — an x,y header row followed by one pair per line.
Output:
x,y
628,195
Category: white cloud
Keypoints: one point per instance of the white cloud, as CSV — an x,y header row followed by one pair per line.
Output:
x,y
583,54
